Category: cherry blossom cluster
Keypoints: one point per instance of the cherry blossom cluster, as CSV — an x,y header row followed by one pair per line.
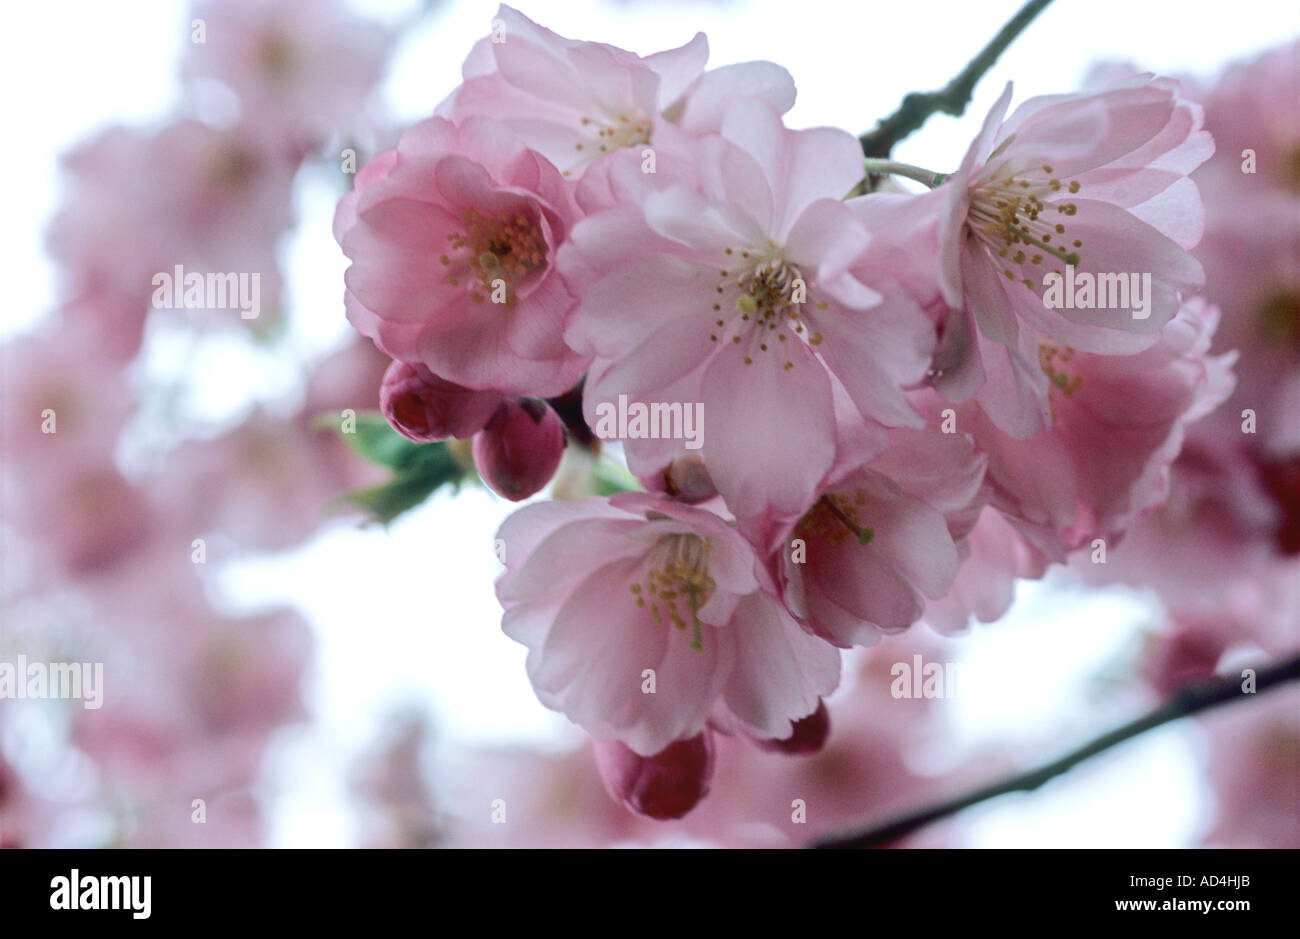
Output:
x,y
909,399
850,407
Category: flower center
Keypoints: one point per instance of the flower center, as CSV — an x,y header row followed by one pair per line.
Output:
x,y
760,307
231,167
277,55
1055,361
677,583
494,253
1023,225
834,517
600,136
1278,319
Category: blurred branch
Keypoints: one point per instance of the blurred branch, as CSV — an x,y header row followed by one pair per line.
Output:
x,y
1183,703
953,97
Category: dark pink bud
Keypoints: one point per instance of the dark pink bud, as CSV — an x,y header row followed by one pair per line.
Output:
x,y
1188,655
423,407
809,734
519,450
666,785
1281,479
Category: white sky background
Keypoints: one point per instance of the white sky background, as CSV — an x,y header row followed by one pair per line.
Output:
x,y
408,615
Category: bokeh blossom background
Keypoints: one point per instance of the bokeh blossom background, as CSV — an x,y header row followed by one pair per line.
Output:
x,y
320,682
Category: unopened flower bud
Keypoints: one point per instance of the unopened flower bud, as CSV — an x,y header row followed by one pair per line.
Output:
x,y
519,450
423,407
687,480
809,734
1184,656
666,785
1281,479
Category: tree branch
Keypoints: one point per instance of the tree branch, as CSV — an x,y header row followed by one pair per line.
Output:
x,y
953,98
1183,703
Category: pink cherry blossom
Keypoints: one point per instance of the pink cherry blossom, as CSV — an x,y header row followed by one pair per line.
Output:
x,y
1208,551
266,483
347,378
63,409
82,518
141,202
1216,550
300,69
554,798
1103,462
742,295
64,402
576,102
452,239
194,699
1095,182
992,558
602,591
1251,249
883,538
394,793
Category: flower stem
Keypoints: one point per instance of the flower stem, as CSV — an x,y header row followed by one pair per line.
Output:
x,y
891,168
953,97
1185,702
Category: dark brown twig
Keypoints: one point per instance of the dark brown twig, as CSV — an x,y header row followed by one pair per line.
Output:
x,y
1183,703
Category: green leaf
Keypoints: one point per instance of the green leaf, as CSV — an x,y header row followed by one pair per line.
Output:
x,y
419,469
379,443
387,501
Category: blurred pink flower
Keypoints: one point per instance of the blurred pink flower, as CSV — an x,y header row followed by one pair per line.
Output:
x,y
393,791
302,70
1251,253
1207,552
1254,764
267,483
515,797
139,203
64,402
347,378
